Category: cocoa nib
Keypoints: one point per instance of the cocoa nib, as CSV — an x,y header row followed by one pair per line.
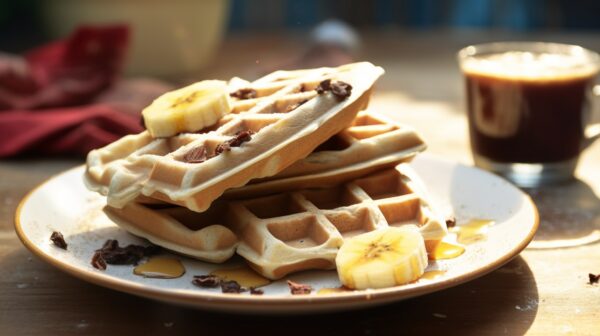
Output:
x,y
239,138
339,89
98,262
206,281
594,278
196,155
450,222
111,253
58,240
297,288
231,287
244,94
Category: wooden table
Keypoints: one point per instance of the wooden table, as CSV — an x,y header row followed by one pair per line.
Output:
x,y
542,291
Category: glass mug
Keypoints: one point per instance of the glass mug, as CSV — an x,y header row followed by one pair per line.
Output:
x,y
528,106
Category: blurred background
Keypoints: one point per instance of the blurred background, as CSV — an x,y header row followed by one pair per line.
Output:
x,y
28,23
81,66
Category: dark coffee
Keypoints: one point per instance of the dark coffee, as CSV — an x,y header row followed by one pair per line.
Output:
x,y
528,119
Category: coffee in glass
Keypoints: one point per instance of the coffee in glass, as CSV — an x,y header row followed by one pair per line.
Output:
x,y
528,105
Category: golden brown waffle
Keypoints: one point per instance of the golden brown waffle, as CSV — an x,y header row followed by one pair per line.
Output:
x,y
289,120
299,230
371,143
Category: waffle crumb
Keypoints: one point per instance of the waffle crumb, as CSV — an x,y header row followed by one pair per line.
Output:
x,y
298,289
58,240
594,278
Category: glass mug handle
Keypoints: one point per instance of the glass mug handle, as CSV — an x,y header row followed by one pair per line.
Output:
x,y
592,132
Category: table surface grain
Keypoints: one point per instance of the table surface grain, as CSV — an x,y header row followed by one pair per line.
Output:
x,y
541,292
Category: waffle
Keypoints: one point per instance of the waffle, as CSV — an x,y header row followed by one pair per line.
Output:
x,y
372,142
289,120
289,232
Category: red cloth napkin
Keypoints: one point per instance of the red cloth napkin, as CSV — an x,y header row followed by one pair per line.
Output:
x,y
60,98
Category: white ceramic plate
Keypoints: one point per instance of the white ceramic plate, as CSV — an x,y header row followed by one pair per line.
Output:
x,y
64,204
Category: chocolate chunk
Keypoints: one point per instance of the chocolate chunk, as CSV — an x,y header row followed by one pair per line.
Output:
x,y
297,288
594,278
256,291
341,90
239,138
112,254
196,155
231,287
151,250
451,222
324,86
58,240
98,262
206,281
244,94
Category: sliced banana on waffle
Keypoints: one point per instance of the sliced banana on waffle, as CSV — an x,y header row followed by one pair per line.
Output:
x,y
382,258
188,109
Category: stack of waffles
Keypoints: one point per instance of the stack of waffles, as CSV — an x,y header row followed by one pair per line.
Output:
x,y
317,169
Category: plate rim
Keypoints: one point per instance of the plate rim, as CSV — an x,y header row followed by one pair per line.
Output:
x,y
222,301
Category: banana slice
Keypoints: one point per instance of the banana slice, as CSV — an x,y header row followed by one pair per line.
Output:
x,y
188,109
382,258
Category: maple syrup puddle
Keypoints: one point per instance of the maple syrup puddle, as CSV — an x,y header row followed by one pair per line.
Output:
x,y
432,275
243,275
473,231
160,268
334,290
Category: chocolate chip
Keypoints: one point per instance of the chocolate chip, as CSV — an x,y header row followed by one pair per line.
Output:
x,y
151,250
341,90
239,138
112,254
594,278
58,240
231,287
324,86
98,262
196,155
206,281
450,222
297,288
244,94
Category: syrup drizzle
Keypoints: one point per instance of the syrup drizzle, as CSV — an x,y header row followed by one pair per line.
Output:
x,y
445,250
473,231
432,275
161,268
243,275
334,290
